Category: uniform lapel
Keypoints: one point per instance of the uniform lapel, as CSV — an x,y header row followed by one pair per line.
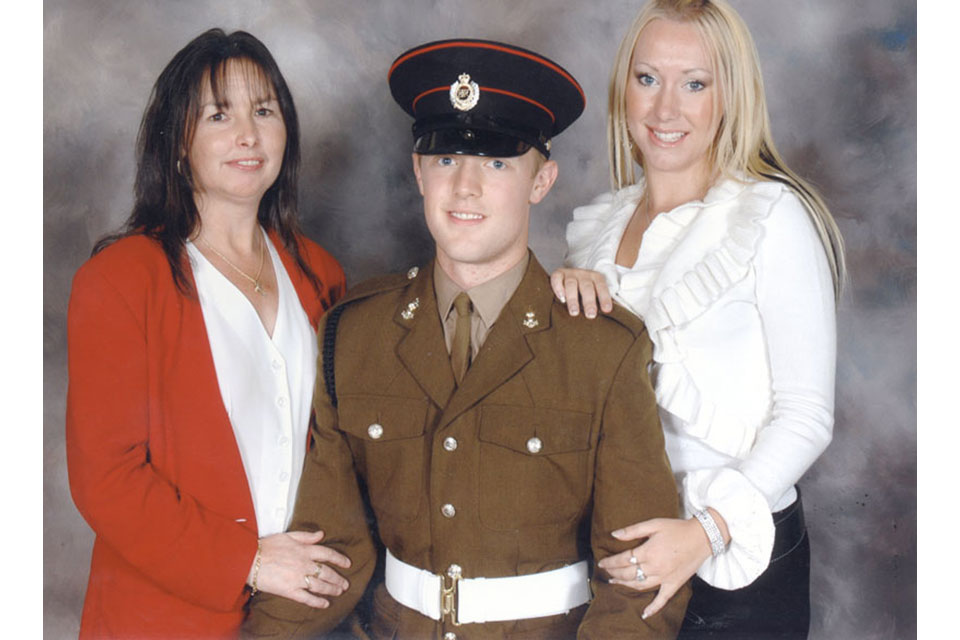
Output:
x,y
422,350
506,350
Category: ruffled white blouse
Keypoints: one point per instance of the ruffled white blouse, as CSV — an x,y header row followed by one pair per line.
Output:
x,y
737,297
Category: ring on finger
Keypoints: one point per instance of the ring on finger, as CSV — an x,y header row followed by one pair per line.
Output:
x,y
641,576
316,573
633,558
307,580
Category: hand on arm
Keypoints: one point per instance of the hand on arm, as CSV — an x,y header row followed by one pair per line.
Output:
x,y
671,554
328,498
293,565
633,483
573,285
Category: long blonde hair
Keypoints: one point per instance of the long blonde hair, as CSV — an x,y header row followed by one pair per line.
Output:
x,y
743,144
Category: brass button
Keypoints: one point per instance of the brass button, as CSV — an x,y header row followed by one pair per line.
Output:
x,y
448,510
375,431
450,444
455,571
449,635
534,445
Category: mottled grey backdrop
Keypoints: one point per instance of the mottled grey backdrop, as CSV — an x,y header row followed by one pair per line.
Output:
x,y
841,84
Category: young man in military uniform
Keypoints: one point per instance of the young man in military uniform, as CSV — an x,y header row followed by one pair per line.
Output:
x,y
500,440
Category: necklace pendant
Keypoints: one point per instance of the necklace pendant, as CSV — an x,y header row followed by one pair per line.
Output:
x,y
259,289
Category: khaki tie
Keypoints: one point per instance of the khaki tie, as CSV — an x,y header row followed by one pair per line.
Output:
x,y
460,349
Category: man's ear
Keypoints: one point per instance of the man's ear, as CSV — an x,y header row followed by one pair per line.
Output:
x,y
543,181
416,171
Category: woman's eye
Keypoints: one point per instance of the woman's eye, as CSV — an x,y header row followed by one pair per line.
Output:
x,y
696,85
645,79
217,117
263,111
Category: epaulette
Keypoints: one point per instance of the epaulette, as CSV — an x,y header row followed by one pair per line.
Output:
x,y
365,289
378,284
627,319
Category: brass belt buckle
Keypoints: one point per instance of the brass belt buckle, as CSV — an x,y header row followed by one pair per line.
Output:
x,y
448,596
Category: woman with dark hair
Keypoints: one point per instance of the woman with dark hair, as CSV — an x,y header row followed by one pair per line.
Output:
x,y
734,263
192,361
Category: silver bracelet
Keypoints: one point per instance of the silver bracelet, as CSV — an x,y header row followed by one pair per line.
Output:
x,y
717,545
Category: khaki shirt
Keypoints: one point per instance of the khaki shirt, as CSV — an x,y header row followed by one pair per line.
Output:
x,y
488,300
421,445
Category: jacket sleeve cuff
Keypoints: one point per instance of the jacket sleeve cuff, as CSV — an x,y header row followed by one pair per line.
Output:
x,y
748,518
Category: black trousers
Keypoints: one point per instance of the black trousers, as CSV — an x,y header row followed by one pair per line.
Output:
x,y
775,605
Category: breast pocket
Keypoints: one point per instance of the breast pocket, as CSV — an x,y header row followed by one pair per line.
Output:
x,y
534,465
390,433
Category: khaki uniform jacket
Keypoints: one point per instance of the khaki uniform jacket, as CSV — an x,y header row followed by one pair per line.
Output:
x,y
580,386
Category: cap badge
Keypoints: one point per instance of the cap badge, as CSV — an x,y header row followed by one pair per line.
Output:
x,y
464,93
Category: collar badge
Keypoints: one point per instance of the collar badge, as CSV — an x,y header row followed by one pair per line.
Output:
x,y
464,93
531,322
407,314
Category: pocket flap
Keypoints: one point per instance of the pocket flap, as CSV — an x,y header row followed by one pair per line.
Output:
x,y
382,418
535,430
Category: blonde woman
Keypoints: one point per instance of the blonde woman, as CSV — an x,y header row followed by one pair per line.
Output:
x,y
735,264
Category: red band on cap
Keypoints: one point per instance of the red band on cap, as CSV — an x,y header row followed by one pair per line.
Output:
x,y
520,97
486,45
413,105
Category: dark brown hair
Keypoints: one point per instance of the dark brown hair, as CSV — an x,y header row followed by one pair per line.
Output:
x,y
164,207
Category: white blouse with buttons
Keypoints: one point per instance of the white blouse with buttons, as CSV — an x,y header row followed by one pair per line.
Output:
x,y
737,297
266,383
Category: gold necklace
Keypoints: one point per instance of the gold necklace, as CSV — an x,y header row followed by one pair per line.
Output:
x,y
255,280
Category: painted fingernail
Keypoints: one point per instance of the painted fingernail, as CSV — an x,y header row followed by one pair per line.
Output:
x,y
591,314
563,299
617,533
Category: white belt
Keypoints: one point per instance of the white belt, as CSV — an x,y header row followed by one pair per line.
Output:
x,y
487,599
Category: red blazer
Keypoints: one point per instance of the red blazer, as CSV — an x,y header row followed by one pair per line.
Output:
x,y
153,463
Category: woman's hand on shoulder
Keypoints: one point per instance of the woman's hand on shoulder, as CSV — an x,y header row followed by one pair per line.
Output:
x,y
574,285
295,566
671,554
